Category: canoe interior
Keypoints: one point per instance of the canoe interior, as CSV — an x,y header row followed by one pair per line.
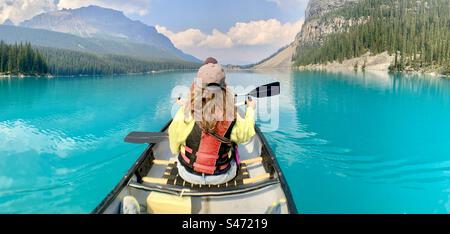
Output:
x,y
255,198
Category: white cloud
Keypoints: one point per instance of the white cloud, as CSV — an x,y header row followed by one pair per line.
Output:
x,y
217,40
264,32
20,10
253,33
184,39
244,39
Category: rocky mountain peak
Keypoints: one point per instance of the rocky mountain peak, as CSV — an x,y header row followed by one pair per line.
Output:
x,y
98,22
315,27
321,7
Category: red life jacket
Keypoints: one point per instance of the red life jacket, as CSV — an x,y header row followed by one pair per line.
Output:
x,y
205,153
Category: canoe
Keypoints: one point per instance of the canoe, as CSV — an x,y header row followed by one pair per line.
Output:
x,y
153,181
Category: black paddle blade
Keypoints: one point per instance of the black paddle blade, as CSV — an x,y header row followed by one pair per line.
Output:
x,y
146,137
267,90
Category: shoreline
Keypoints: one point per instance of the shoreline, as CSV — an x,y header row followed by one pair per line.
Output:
x,y
3,75
343,69
366,62
330,67
93,75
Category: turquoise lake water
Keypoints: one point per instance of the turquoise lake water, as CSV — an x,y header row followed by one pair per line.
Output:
x,y
347,143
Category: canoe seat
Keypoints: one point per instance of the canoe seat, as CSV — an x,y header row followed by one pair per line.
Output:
x,y
173,178
173,181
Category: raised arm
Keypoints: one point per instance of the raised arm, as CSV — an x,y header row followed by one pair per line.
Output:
x,y
244,129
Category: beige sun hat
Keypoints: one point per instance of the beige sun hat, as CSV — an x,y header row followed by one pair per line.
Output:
x,y
211,73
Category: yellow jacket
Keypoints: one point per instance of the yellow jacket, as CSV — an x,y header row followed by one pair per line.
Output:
x,y
179,129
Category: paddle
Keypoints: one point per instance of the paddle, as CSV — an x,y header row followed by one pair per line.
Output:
x,y
146,137
267,90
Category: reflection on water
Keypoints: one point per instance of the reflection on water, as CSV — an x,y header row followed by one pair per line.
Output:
x,y
378,134
15,135
347,142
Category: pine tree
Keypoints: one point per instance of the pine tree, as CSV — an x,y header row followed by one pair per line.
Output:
x,y
21,59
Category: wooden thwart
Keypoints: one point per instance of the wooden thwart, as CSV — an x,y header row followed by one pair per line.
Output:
x,y
153,180
167,175
252,180
252,160
162,162
248,161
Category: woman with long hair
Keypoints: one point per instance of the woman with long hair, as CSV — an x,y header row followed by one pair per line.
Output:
x,y
207,128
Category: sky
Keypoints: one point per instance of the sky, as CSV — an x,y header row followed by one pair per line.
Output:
x,y
233,31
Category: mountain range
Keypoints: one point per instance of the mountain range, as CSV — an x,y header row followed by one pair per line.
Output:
x,y
94,30
104,24
95,45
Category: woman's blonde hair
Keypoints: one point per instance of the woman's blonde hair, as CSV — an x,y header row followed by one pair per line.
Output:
x,y
210,105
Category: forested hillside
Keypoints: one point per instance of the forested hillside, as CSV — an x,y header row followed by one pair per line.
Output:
x,y
24,59
66,62
46,38
416,32
21,59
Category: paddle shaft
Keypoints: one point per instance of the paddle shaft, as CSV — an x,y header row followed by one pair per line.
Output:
x,y
146,137
267,90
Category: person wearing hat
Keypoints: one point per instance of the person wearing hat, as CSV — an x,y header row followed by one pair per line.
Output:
x,y
207,128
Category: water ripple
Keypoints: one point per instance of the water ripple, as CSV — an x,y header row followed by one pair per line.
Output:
x,y
20,136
